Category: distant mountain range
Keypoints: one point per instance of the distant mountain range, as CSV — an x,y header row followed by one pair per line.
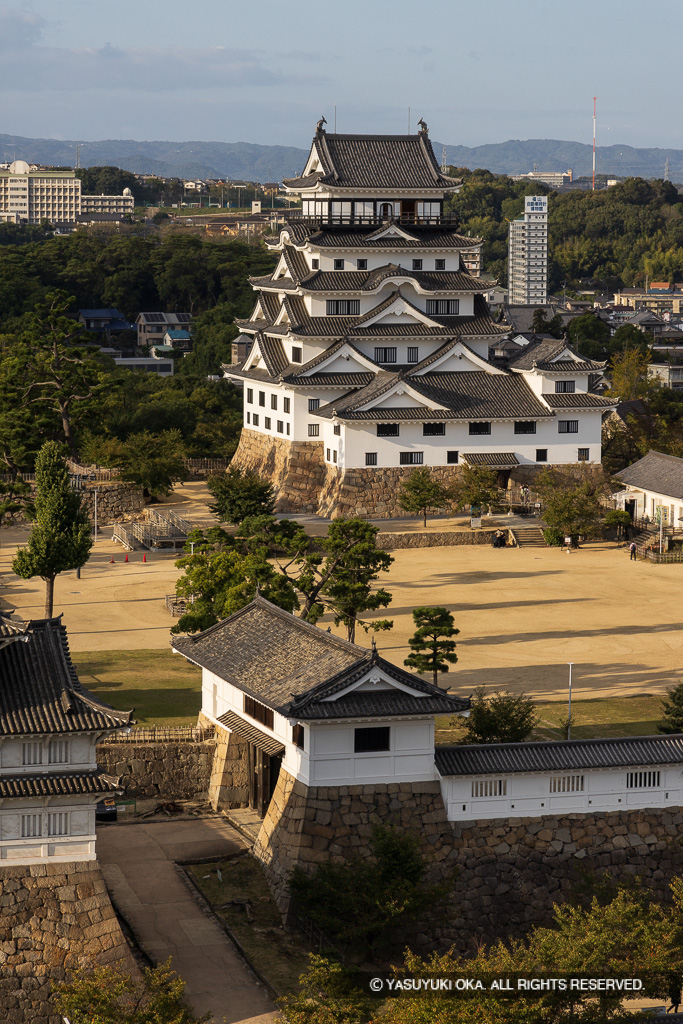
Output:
x,y
252,162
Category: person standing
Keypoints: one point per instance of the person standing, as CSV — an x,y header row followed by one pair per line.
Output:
x,y
633,551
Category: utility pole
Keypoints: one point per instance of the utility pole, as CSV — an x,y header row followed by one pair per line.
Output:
x,y
444,165
569,716
595,100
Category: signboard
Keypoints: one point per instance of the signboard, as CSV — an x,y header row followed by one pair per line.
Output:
x,y
535,204
256,206
475,522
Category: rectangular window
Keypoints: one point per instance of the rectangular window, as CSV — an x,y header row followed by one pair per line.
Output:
x,y
334,457
489,787
31,753
259,712
385,355
262,398
337,429
443,307
58,752
313,429
273,401
480,428
567,784
439,264
315,264
288,428
362,264
565,387
266,422
250,395
339,264
541,455
433,429
280,427
417,264
248,417
568,426
366,741
411,458
413,356
313,404
286,404
298,736
296,355
328,455
584,454
525,427
256,419
58,823
371,458
452,458
30,826
642,780
387,429
342,307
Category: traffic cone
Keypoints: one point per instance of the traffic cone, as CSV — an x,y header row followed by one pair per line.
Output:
x,y
144,558
111,560
126,558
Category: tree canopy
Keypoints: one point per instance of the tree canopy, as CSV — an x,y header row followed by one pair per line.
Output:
x,y
421,493
431,647
501,718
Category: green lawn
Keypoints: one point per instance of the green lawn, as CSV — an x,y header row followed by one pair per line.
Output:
x,y
164,688
603,716
279,956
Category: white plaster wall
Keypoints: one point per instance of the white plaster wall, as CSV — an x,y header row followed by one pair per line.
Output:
x,y
332,761
528,795
82,753
545,385
357,439
399,257
647,502
79,844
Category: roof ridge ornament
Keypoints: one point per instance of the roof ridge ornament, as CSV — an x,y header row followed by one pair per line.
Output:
x,y
319,130
424,130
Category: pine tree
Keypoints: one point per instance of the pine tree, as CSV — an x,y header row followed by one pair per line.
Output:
x,y
60,538
433,624
672,706
420,493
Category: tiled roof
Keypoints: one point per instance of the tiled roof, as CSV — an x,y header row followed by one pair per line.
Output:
x,y
53,784
375,161
40,691
294,667
351,237
334,379
249,732
489,758
656,472
368,280
273,354
497,460
571,365
580,401
543,354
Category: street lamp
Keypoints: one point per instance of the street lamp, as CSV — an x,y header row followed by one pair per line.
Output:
x,y
569,717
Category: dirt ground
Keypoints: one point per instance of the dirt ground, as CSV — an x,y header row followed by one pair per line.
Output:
x,y
523,614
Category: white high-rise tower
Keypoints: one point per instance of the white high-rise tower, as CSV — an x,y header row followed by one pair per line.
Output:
x,y
528,254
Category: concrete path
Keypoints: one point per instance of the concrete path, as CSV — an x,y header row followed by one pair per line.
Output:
x,y
138,863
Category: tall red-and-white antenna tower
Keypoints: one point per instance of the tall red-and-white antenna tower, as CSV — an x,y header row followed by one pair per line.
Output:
x,y
595,100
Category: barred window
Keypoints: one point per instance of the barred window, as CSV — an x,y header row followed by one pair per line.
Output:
x,y
541,455
413,354
286,404
411,458
256,419
433,429
452,458
280,427
489,787
259,712
525,427
30,826
250,394
480,428
58,752
387,429
313,429
568,426
565,387
273,401
313,404
439,264
58,823
362,264
31,753
343,307
417,264
375,738
567,784
385,355
267,422
371,458
443,307
584,454
337,429
642,780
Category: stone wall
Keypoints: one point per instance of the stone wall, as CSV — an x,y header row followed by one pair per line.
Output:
x,y
55,917
228,782
294,468
506,874
435,539
115,501
172,770
373,492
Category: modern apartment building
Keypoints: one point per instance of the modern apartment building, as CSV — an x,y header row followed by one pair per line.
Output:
x,y
31,196
528,254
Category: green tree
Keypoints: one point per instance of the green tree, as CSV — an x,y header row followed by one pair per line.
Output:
x,y
672,709
154,461
104,995
630,375
590,336
421,493
627,337
477,487
617,519
434,626
572,500
502,718
60,538
239,495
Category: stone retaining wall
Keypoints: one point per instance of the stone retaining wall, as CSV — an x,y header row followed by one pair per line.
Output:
x,y
115,501
434,539
55,918
506,874
176,770
293,467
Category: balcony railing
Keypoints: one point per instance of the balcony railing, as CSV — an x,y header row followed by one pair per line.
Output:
x,y
374,219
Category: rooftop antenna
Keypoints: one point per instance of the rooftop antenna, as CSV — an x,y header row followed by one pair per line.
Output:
x,y
595,100
444,165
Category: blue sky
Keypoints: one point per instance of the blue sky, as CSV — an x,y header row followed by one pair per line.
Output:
x,y
266,71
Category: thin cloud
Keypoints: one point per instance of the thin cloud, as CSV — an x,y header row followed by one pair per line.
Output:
x,y
19,29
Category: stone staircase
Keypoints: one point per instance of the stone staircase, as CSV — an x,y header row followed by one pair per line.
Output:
x,y
528,537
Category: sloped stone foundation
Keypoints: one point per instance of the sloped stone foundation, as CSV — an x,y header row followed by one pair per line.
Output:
x,y
295,469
